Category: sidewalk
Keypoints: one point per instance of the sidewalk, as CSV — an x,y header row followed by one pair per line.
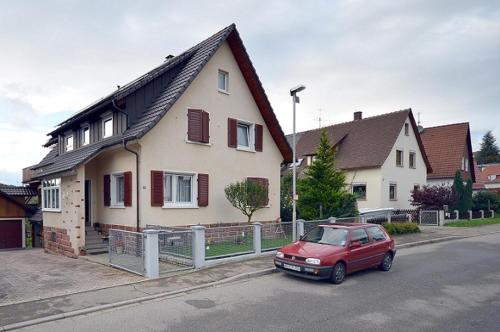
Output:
x,y
102,299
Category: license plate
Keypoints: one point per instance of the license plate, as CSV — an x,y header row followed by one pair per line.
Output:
x,y
291,267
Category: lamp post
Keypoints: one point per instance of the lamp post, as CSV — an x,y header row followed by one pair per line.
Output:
x,y
295,100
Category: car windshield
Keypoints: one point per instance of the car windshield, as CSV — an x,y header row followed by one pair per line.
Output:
x,y
327,235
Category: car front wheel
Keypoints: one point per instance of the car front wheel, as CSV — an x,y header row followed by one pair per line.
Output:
x,y
386,263
338,273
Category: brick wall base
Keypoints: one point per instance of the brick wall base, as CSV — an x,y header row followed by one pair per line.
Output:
x,y
56,241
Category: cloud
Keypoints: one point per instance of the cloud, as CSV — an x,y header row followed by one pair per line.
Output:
x,y
442,58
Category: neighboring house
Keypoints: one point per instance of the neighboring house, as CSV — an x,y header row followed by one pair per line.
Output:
x,y
488,178
13,217
449,149
161,149
382,156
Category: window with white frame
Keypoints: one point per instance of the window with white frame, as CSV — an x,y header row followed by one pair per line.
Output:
x,y
85,135
223,81
412,159
179,190
107,127
69,142
466,164
359,190
244,135
51,195
399,158
393,191
118,189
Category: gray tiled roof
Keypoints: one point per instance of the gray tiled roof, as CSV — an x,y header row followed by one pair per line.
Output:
x,y
182,69
17,190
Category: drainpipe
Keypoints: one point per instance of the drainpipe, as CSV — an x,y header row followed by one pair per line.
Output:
x,y
124,142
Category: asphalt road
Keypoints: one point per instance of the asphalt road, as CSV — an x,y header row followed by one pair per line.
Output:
x,y
452,286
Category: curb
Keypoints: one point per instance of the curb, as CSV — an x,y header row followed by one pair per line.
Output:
x,y
437,240
85,311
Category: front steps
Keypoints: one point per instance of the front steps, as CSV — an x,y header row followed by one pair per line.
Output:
x,y
94,242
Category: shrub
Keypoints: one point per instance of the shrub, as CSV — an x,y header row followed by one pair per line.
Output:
x,y
433,197
484,199
401,228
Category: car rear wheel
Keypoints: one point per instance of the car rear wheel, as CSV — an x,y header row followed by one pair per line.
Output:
x,y
386,263
338,273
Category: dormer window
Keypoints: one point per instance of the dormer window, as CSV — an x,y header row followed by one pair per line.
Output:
x,y
107,127
223,81
85,135
69,142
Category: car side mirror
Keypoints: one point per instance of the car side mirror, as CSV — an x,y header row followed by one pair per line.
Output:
x,y
355,244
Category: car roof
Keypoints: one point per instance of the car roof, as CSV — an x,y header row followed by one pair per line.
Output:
x,y
347,225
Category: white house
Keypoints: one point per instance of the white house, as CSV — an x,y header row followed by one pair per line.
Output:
x,y
161,149
382,156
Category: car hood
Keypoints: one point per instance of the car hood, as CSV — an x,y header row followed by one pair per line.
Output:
x,y
311,250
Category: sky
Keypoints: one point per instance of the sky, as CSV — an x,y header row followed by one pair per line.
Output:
x,y
440,58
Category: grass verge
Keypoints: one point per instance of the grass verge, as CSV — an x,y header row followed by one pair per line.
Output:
x,y
474,223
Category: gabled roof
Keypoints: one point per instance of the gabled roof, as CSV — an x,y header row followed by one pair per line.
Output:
x,y
14,201
17,190
483,173
182,70
364,143
445,146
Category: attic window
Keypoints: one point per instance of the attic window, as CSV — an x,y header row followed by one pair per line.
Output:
x,y
407,129
69,143
399,158
107,127
85,135
223,81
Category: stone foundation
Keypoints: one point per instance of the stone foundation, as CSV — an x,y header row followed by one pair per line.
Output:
x,y
57,241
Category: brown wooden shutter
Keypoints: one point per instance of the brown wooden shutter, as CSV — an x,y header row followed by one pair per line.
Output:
x,y
205,126
127,184
202,189
231,132
156,188
258,137
107,190
195,125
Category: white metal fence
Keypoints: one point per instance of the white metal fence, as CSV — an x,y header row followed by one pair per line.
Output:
x,y
429,217
175,250
126,250
276,235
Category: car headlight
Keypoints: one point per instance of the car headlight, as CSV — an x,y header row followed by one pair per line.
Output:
x,y
313,261
279,254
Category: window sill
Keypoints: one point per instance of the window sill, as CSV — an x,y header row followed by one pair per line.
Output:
x,y
179,206
393,199
400,166
117,206
245,149
224,92
198,143
52,210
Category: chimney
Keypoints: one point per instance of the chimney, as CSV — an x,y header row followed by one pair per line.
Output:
x,y
169,57
358,115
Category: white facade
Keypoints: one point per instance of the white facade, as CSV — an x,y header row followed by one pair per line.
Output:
x,y
379,180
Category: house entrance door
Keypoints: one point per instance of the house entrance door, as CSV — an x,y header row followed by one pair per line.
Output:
x,y
88,187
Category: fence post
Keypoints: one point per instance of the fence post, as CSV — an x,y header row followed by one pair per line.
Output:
x,y
456,214
492,213
151,253
470,214
257,238
332,220
300,227
482,214
389,215
441,217
198,246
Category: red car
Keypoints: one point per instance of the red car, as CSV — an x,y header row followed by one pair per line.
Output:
x,y
332,251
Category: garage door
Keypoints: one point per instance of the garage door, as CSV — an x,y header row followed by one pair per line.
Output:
x,y
11,234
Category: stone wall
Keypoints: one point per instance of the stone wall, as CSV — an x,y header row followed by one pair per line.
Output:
x,y
57,241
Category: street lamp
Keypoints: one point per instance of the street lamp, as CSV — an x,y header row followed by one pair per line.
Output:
x,y
295,100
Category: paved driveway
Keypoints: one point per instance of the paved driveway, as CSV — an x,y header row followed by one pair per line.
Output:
x,y
33,274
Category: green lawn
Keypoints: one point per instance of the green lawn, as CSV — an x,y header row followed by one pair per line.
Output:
x,y
474,223
230,248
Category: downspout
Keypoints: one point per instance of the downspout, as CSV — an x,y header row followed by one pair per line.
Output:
x,y
124,142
